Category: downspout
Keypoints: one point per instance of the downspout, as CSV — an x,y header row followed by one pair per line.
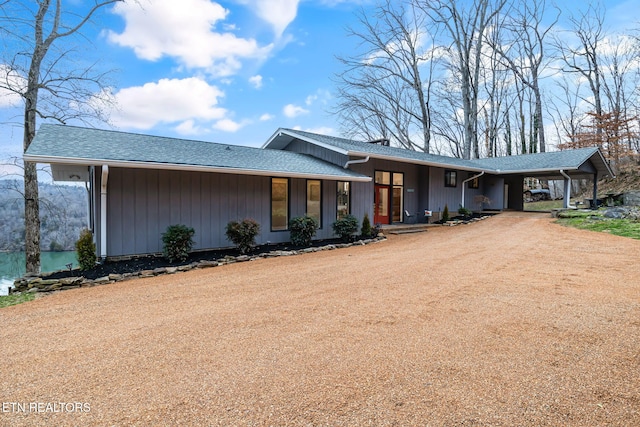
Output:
x,y
467,180
567,191
352,162
103,211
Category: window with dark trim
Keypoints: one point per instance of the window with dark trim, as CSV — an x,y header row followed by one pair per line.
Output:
x,y
314,200
450,178
343,199
474,183
279,204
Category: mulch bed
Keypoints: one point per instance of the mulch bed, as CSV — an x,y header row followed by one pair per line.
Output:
x,y
151,262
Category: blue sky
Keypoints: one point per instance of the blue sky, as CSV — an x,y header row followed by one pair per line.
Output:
x,y
228,71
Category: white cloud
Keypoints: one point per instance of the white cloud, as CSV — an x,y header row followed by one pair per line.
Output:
x,y
256,81
228,125
292,111
323,96
310,99
167,101
189,127
278,13
11,78
323,130
266,117
185,31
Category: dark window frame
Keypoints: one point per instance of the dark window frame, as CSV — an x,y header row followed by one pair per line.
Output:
x,y
474,184
288,180
450,178
348,197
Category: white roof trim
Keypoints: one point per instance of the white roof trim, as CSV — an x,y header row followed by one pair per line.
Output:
x,y
184,167
304,138
420,162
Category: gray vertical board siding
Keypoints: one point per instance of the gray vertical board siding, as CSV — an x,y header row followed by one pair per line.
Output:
x,y
298,206
494,190
141,212
423,190
142,203
471,193
115,214
329,207
304,147
152,219
136,219
588,167
362,200
440,195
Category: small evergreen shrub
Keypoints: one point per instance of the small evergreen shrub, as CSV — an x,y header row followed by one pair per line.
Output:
x,y
243,234
303,228
445,213
464,211
177,242
345,227
366,230
54,246
86,250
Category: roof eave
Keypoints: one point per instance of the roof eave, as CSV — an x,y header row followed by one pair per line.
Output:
x,y
526,171
420,162
192,168
292,134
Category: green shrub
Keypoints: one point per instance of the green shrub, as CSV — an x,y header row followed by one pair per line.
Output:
x,y
86,250
366,230
445,213
177,242
303,228
464,211
345,227
54,246
243,234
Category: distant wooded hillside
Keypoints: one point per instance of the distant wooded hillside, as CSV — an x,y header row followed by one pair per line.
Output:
x,y
63,212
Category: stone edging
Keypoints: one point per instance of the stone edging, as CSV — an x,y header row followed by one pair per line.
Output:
x,y
465,221
34,284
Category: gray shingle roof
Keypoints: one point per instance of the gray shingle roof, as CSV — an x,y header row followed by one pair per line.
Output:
x,y
366,148
567,160
69,144
554,160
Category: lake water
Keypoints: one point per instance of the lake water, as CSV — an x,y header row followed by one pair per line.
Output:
x,y
12,265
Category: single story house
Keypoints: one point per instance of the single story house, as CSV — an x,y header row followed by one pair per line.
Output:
x,y
140,184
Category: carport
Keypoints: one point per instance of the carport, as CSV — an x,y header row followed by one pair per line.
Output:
x,y
584,163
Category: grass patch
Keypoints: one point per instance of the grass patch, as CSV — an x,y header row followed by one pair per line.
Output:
x,y
543,205
7,300
594,221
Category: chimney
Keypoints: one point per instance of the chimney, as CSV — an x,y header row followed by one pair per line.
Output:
x,y
382,141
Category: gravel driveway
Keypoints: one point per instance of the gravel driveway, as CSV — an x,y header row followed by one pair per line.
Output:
x,y
510,321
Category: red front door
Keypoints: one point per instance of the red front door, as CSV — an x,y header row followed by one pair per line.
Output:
x,y
381,205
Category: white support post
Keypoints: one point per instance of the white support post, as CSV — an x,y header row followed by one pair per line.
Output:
x,y
103,211
567,191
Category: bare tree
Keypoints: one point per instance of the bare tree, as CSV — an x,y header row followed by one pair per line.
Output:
x,y
382,86
465,28
583,55
37,70
619,58
524,53
497,80
565,105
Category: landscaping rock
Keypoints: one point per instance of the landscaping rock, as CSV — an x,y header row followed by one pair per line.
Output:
x,y
102,280
33,284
